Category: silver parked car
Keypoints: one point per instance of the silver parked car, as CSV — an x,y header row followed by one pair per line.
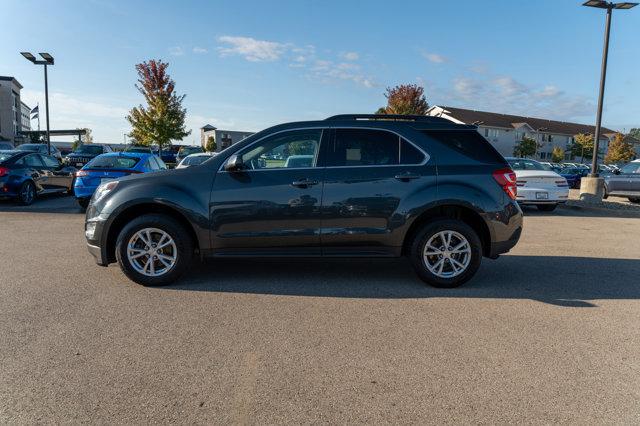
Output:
x,y
624,182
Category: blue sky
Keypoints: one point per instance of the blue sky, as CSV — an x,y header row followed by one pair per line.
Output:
x,y
245,65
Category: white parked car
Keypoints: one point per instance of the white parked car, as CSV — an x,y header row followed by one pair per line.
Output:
x,y
536,186
195,159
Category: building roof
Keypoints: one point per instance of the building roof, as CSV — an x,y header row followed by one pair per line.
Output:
x,y
494,119
12,79
208,127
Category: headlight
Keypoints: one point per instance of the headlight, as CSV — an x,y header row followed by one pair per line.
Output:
x,y
104,189
90,230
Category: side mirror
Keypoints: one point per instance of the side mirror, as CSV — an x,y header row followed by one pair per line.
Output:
x,y
616,172
234,164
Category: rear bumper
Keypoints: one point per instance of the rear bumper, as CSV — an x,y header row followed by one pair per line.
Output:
x,y
84,191
500,247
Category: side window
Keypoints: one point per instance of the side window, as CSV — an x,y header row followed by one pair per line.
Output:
x,y
149,164
364,147
49,161
32,160
409,154
294,149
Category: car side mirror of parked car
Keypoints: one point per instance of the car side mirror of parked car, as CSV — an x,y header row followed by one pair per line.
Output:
x,y
234,164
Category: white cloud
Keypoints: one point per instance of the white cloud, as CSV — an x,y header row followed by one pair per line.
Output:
x,y
251,49
176,51
350,56
199,50
435,58
507,95
325,70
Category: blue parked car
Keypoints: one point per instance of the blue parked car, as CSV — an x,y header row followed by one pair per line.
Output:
x,y
112,166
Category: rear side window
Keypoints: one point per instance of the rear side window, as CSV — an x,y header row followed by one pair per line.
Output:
x,y
469,143
364,147
32,160
112,162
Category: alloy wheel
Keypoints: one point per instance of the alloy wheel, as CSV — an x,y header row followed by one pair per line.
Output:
x,y
152,252
447,254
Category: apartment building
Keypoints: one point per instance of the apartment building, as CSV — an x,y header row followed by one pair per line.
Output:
x,y
223,138
11,121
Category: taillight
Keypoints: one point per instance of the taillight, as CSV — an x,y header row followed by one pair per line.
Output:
x,y
506,178
4,171
81,173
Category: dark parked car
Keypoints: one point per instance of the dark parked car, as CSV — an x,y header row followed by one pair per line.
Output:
x,y
85,153
187,150
41,148
6,146
168,154
377,186
24,175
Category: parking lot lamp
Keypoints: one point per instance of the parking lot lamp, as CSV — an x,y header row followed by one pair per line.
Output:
x,y
47,59
608,6
592,186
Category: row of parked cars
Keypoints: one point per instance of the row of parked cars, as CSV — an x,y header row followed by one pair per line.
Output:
x,y
28,171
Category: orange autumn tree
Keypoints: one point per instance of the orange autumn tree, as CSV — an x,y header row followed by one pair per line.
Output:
x,y
405,99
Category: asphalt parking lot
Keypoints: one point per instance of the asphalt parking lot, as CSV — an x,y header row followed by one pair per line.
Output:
x,y
547,333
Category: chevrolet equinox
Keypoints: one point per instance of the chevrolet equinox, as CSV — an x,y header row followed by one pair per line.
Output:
x,y
348,186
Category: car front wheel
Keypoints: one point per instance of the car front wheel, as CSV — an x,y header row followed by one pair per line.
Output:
x,y
446,253
154,250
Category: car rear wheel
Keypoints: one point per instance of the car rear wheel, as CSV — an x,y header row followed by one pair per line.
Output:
x,y
154,250
446,253
547,207
27,193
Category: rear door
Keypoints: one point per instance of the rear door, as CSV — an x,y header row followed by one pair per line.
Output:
x,y
37,171
369,174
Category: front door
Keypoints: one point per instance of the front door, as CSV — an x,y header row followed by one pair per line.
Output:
x,y
370,173
272,205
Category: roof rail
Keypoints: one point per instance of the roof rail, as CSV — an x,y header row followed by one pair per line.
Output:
x,y
389,117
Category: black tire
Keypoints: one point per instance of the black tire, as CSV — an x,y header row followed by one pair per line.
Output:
x,y
547,207
430,230
605,194
83,203
27,193
634,199
176,231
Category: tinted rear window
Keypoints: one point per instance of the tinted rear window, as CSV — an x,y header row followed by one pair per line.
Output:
x,y
469,143
113,162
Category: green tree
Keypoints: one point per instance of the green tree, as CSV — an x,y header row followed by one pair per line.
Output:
x,y
557,154
620,151
582,146
635,133
405,99
162,119
526,147
211,144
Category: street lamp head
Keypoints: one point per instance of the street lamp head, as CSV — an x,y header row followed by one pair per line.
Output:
x,y
47,57
625,5
596,3
29,56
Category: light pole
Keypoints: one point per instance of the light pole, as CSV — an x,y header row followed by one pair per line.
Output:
x,y
47,60
601,4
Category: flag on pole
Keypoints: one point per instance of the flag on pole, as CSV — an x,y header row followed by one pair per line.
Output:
x,y
34,116
35,110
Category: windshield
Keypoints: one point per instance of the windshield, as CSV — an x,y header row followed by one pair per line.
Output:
x,y
189,150
112,162
631,168
524,164
29,147
195,160
88,149
5,155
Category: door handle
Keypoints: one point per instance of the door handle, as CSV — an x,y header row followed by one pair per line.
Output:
x,y
304,183
405,177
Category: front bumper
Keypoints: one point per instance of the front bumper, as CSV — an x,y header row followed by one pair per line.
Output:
x,y
96,240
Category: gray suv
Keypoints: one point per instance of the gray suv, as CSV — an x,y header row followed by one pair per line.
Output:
x,y
351,185
624,182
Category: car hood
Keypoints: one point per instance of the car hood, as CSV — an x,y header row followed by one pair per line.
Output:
x,y
536,174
